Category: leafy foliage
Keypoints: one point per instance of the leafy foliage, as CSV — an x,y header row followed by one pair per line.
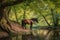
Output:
x,y
33,8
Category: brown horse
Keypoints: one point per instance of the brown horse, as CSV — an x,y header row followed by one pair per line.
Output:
x,y
28,21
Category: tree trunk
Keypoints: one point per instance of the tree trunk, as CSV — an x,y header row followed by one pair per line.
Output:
x,y
4,21
5,24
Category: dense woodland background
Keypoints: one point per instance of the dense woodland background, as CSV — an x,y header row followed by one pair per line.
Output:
x,y
47,12
36,9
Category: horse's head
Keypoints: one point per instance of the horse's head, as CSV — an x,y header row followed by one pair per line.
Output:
x,y
35,19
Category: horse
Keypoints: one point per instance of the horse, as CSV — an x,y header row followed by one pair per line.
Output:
x,y
29,21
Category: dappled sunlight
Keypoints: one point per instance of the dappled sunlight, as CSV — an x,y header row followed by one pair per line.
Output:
x,y
41,33
49,36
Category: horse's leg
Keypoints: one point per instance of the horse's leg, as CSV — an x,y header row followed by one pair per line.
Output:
x,y
23,24
31,25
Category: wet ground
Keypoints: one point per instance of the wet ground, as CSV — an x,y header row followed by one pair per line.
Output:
x,y
41,34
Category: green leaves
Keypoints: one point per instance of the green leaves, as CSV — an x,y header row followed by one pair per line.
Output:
x,y
33,8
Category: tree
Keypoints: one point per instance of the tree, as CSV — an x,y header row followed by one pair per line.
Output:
x,y
5,24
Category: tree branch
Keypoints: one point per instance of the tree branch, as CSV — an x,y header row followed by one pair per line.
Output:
x,y
15,14
45,19
11,3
